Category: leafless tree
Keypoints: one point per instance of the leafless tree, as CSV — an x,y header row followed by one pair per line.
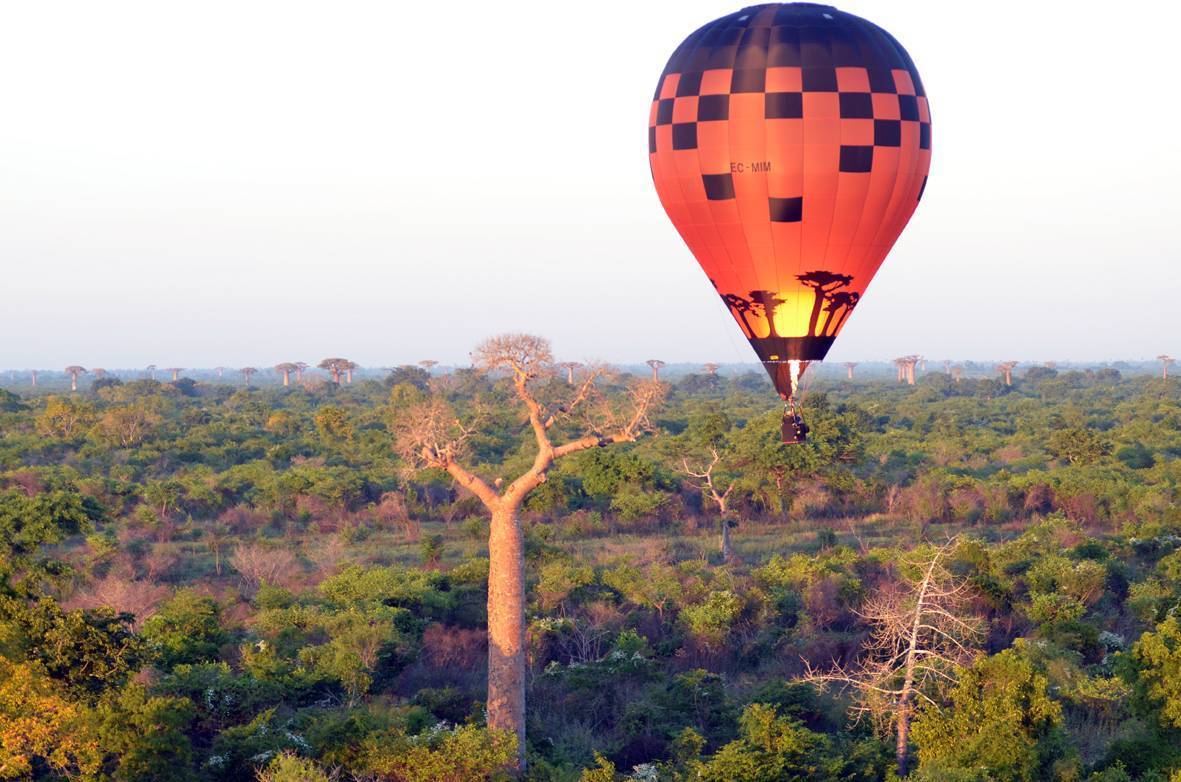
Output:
x,y
1165,361
247,373
151,370
570,366
430,434
656,365
849,367
286,368
1006,369
922,634
259,564
73,371
705,480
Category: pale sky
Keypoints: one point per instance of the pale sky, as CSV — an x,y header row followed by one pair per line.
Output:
x,y
211,183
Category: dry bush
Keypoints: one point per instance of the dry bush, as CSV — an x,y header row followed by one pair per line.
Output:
x,y
140,598
326,554
1039,498
391,512
242,520
157,563
257,564
448,647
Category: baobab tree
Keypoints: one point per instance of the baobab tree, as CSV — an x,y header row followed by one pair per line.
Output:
x,y
656,365
335,366
957,372
73,371
1165,361
905,366
711,369
247,372
33,374
98,372
349,366
175,372
1006,369
947,366
151,370
570,366
849,367
220,371
710,486
428,364
922,633
430,435
286,368
300,366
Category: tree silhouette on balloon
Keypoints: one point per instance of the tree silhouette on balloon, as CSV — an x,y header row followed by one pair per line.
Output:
x,y
828,300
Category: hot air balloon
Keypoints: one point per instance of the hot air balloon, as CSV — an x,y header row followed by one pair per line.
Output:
x,y
790,144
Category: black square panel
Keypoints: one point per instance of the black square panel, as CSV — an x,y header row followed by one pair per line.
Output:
x,y
856,105
908,105
887,133
652,139
689,84
924,135
784,105
684,135
856,160
712,107
881,80
787,210
749,80
718,187
820,79
664,111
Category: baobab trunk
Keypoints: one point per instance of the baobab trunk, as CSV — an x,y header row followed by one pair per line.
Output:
x,y
506,626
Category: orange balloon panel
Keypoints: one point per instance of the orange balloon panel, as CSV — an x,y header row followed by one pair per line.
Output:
x,y
790,144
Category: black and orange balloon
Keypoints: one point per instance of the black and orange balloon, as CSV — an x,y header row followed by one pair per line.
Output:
x,y
790,144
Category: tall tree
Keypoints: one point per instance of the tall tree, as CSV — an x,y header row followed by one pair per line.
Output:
x,y
33,373
349,366
151,370
1006,370
570,366
428,364
429,434
334,366
175,372
247,373
300,366
286,368
710,368
98,372
922,634
1165,361
849,367
73,371
656,365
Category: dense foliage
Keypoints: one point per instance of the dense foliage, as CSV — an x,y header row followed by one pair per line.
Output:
x,y
207,582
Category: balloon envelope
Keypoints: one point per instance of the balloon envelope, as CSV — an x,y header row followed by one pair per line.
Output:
x,y
790,144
